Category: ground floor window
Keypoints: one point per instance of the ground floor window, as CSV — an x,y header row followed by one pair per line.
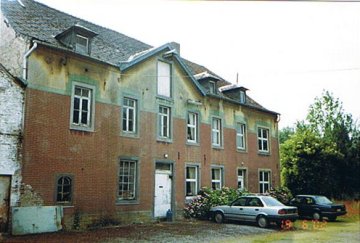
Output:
x,y
216,178
127,180
264,181
192,172
64,189
241,179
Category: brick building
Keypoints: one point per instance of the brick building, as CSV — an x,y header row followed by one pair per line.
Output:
x,y
115,128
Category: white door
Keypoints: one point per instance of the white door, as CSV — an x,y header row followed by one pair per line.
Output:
x,y
4,201
162,193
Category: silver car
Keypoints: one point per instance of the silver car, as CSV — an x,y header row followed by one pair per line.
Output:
x,y
259,209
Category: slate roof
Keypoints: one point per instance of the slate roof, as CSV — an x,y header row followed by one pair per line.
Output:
x,y
37,21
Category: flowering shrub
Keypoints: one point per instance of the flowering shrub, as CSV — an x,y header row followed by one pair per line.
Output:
x,y
282,194
199,206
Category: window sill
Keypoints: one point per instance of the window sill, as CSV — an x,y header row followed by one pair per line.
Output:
x,y
217,147
165,98
164,140
193,143
81,128
263,153
129,135
244,151
124,202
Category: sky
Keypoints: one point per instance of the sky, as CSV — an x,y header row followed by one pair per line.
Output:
x,y
285,53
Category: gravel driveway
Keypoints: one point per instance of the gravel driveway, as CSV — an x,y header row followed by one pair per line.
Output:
x,y
180,231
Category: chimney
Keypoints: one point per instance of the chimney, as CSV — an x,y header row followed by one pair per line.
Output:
x,y
176,46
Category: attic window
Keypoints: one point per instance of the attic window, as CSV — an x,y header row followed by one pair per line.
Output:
x,y
212,87
242,97
82,44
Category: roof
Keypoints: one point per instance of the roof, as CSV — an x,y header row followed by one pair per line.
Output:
x,y
36,21
23,83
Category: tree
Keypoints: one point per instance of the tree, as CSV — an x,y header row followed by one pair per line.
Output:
x,y
285,134
322,156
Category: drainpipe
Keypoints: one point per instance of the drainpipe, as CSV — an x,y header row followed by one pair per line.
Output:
x,y
27,54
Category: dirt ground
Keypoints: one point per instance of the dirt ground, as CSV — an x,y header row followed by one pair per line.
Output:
x,y
181,231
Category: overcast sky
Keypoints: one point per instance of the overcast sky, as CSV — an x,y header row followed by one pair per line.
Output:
x,y
286,53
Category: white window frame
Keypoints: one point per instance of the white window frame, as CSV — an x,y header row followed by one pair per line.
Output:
x,y
216,132
89,125
164,121
242,178
192,127
219,181
262,140
240,136
124,171
263,182
79,47
126,111
164,79
192,180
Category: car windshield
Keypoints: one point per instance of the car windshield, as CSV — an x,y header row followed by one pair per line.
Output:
x,y
270,201
322,200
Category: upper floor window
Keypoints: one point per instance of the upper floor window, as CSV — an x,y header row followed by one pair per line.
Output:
x,y
82,44
127,180
263,140
164,79
242,97
164,122
216,132
264,181
216,178
240,136
192,127
129,115
192,180
64,189
82,108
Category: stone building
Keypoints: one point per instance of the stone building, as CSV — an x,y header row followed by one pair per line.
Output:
x,y
117,129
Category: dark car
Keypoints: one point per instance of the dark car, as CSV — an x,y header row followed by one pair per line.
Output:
x,y
317,207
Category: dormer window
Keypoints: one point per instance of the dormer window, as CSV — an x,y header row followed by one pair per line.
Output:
x,y
82,44
242,97
77,38
212,87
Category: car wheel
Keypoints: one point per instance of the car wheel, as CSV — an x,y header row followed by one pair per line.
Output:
x,y
332,219
262,222
219,217
317,216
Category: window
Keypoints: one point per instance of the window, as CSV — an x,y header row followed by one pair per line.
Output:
x,y
82,44
192,187
64,186
216,132
242,97
241,179
164,122
240,136
82,107
192,127
212,87
164,79
216,178
129,115
263,140
127,180
264,181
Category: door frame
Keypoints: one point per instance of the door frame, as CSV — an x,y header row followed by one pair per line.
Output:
x,y
9,201
172,170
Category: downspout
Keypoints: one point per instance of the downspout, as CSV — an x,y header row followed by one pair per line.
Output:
x,y
25,62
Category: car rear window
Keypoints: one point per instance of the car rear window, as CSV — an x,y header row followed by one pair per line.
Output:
x,y
270,201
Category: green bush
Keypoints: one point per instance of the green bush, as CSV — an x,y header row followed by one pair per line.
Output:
x,y
199,206
283,194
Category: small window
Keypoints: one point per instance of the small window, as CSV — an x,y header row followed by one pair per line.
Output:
x,y
192,187
82,107
264,181
242,97
129,115
263,140
240,136
216,178
127,180
216,132
64,189
192,127
164,122
241,179
82,44
212,87
164,79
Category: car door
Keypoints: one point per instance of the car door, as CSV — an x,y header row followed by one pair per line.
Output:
x,y
298,202
308,206
253,208
236,209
